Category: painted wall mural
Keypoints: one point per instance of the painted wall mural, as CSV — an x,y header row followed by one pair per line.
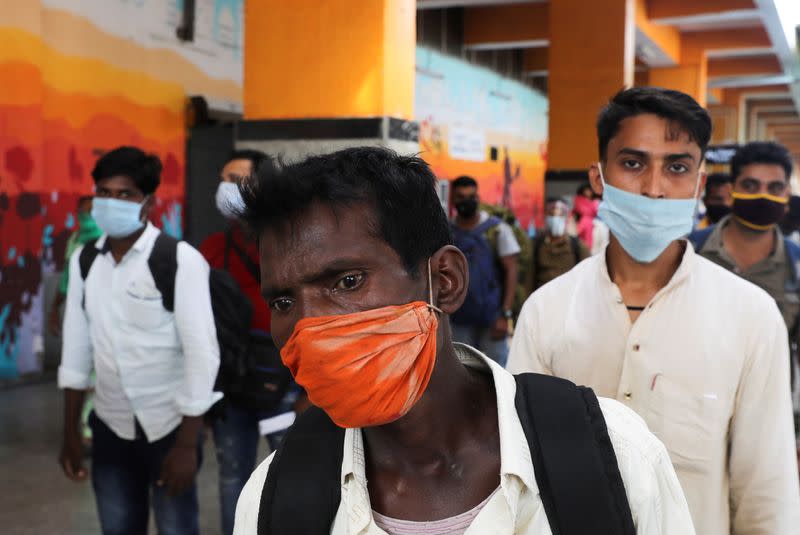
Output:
x,y
475,122
70,91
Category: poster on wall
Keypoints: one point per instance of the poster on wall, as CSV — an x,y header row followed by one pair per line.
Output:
x,y
475,122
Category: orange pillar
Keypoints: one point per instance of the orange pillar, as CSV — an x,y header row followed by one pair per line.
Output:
x,y
329,58
690,77
591,58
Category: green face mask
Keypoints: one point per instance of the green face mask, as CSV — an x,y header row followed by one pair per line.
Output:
x,y
87,228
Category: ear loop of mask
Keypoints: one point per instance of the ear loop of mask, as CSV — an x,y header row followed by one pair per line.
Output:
x,y
431,306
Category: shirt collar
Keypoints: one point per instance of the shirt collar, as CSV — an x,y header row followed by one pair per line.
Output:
x,y
144,241
681,274
515,456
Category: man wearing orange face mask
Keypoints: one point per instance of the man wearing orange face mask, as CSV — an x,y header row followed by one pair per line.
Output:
x,y
416,434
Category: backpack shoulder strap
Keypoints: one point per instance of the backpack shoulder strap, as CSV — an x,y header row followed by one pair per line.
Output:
x,y
87,256
576,249
573,458
251,265
487,225
698,238
307,467
537,246
793,257
163,263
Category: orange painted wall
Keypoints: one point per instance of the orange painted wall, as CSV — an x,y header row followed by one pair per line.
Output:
x,y
338,58
69,92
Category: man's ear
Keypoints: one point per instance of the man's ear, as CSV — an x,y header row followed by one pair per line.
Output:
x,y
701,187
594,179
147,207
450,276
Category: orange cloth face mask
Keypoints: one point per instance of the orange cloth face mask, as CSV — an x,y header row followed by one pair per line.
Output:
x,y
367,368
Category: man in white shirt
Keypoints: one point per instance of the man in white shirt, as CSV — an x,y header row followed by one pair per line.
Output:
x,y
493,252
155,357
359,272
641,323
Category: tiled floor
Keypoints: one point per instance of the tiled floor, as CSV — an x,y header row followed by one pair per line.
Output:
x,y
35,496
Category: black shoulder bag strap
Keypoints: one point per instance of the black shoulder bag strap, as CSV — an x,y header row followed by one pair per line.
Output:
x,y
573,458
163,263
248,262
87,256
85,261
303,488
576,249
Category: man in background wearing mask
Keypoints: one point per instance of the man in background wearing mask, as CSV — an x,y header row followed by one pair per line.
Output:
x,y
555,252
717,199
635,324
492,251
155,369
749,242
236,429
418,435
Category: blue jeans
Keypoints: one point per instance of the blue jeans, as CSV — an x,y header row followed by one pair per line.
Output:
x,y
124,475
480,339
236,439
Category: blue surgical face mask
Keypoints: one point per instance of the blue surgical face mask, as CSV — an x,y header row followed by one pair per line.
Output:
x,y
556,225
116,217
644,226
229,200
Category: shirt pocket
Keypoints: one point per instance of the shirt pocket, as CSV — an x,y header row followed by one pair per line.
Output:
x,y
691,424
144,308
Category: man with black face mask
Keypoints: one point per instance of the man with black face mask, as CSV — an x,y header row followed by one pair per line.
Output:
x,y
492,251
718,199
749,242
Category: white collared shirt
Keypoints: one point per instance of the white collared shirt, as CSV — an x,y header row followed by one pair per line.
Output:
x,y
706,365
655,496
151,365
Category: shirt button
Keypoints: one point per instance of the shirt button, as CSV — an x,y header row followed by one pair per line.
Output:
x,y
636,347
628,395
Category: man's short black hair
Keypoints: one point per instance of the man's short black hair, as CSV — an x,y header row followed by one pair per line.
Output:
x,y
715,180
761,152
685,114
464,181
143,169
401,190
256,157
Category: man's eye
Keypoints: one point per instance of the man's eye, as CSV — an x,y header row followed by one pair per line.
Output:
x,y
282,304
631,164
349,282
678,168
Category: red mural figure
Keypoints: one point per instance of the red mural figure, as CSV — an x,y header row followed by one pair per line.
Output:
x,y
508,178
171,173
75,167
20,164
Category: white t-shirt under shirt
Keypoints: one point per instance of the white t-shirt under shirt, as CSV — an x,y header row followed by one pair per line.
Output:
x,y
455,525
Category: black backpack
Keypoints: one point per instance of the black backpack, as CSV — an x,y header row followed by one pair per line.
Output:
x,y
576,469
251,372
